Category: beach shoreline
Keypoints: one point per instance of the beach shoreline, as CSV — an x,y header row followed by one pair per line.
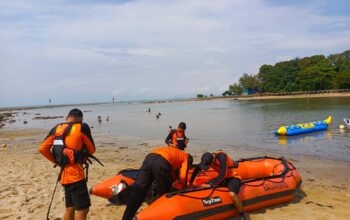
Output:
x,y
273,97
29,179
235,98
304,96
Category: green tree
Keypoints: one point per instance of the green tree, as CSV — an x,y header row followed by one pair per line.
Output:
x,y
235,89
318,75
226,93
340,61
265,76
280,77
342,81
344,66
300,74
249,81
200,95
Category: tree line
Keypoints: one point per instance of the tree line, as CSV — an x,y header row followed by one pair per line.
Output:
x,y
300,74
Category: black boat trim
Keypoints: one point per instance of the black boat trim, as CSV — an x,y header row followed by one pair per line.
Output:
x,y
230,207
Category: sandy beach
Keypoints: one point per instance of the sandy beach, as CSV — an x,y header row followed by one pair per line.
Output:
x,y
273,97
27,180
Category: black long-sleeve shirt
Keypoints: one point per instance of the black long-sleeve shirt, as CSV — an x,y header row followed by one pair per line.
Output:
x,y
168,139
222,159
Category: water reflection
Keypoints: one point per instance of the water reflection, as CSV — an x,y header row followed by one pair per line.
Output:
x,y
309,137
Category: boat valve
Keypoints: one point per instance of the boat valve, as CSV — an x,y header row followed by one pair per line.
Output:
x,y
116,189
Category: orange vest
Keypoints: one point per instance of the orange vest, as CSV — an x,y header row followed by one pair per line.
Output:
x,y
64,154
179,138
75,140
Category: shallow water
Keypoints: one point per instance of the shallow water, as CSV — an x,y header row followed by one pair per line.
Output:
x,y
220,124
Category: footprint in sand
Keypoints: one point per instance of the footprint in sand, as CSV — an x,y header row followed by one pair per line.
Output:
x,y
6,189
5,216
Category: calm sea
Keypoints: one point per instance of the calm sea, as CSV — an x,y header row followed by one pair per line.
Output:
x,y
220,123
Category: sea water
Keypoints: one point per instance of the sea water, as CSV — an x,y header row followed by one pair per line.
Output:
x,y
218,124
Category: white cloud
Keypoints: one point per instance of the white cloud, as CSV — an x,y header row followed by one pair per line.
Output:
x,y
117,92
146,49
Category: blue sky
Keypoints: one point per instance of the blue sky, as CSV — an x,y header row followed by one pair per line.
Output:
x,y
88,51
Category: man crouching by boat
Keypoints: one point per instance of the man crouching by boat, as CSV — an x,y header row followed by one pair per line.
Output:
x,y
158,167
71,142
223,164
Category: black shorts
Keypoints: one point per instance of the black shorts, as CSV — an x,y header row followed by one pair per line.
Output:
x,y
77,195
234,185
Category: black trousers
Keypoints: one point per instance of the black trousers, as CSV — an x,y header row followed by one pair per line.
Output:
x,y
154,168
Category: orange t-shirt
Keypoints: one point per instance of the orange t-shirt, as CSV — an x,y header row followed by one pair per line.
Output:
x,y
78,137
177,158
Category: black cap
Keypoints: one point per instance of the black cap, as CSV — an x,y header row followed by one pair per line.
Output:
x,y
75,112
182,125
206,160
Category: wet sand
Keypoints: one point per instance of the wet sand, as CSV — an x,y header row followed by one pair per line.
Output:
x,y
27,179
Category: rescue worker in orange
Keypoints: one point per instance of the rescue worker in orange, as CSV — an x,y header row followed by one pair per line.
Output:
x,y
177,137
223,164
74,137
158,166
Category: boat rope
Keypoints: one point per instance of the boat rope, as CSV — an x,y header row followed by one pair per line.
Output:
x,y
286,172
194,197
283,175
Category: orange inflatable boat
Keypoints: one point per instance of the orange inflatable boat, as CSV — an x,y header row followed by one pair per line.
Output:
x,y
266,182
116,189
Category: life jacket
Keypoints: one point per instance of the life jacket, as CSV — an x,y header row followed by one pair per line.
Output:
x,y
64,155
230,165
179,139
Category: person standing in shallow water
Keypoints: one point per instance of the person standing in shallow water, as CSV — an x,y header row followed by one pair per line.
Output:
x,y
177,137
76,137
